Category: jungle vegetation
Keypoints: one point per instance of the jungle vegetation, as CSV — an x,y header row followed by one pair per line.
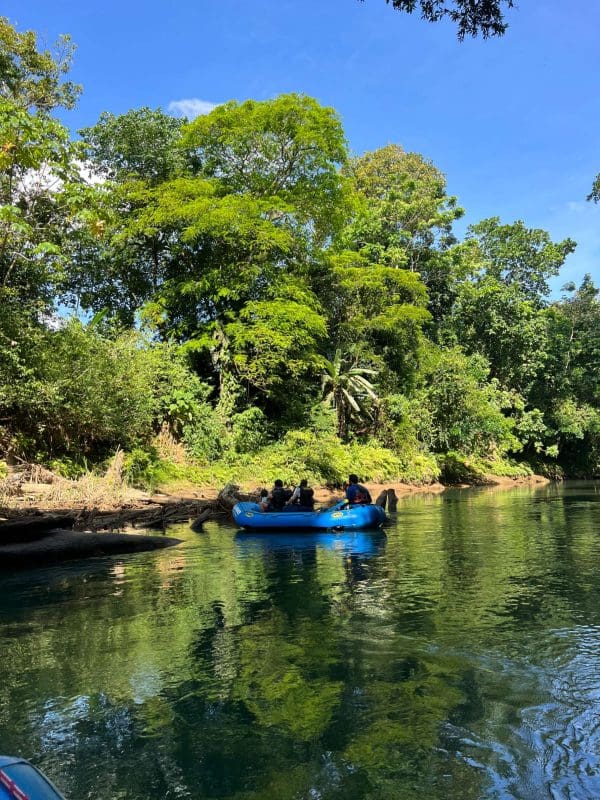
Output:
x,y
237,297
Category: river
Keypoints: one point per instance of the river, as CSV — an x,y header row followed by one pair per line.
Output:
x,y
455,656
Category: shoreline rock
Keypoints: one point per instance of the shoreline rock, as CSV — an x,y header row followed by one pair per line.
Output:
x,y
60,545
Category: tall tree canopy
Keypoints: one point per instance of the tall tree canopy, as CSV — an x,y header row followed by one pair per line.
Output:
x,y
241,269
37,174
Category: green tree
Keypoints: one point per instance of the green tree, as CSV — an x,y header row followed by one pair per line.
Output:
x,y
500,307
465,406
86,393
509,330
399,225
38,193
378,314
34,78
287,148
36,160
568,390
520,256
401,211
113,266
277,342
244,233
140,144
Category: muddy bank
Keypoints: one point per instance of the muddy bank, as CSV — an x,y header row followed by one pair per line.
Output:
x,y
503,482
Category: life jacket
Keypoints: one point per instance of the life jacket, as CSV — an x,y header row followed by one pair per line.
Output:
x,y
362,496
306,496
279,497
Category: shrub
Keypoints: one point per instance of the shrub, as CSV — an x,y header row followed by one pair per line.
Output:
x,y
144,469
466,408
248,430
69,467
457,468
205,436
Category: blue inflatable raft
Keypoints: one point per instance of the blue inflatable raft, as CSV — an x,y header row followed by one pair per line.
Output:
x,y
338,517
20,780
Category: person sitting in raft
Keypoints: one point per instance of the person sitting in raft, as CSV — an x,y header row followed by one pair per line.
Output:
x,y
302,499
278,496
264,500
356,493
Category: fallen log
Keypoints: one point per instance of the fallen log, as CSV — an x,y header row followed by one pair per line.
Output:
x,y
201,519
155,516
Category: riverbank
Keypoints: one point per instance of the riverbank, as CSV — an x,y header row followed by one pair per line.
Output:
x,y
111,507
35,528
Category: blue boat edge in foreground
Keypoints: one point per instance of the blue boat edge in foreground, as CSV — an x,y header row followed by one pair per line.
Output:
x,y
19,779
338,517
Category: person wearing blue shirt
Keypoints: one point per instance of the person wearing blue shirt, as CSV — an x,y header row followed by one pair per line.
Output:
x,y
356,493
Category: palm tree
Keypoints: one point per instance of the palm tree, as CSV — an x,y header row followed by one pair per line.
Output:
x,y
346,390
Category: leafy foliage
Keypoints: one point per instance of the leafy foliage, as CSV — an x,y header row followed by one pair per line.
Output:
x,y
595,193
347,390
485,17
232,264
519,256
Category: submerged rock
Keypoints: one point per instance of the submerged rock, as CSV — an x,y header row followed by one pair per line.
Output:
x,y
59,545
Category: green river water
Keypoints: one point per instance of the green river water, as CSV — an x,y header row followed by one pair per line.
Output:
x,y
455,656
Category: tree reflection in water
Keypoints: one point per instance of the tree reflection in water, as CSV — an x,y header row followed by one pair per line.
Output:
x,y
413,665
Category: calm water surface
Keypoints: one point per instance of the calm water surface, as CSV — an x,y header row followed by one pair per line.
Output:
x,y
456,656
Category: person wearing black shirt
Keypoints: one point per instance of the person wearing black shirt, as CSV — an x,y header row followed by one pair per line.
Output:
x,y
278,497
303,498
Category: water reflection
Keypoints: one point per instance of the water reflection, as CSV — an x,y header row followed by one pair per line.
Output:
x,y
357,543
455,658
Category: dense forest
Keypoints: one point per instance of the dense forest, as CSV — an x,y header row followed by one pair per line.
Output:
x,y
238,297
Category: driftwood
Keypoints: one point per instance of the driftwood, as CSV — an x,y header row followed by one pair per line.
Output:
x,y
155,515
230,495
196,525
152,513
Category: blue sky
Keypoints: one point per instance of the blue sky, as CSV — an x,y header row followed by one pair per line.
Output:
x,y
513,122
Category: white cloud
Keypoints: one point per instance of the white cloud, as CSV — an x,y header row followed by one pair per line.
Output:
x,y
88,174
191,107
578,206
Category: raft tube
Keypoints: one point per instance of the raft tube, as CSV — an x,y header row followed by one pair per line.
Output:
x,y
20,780
339,517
